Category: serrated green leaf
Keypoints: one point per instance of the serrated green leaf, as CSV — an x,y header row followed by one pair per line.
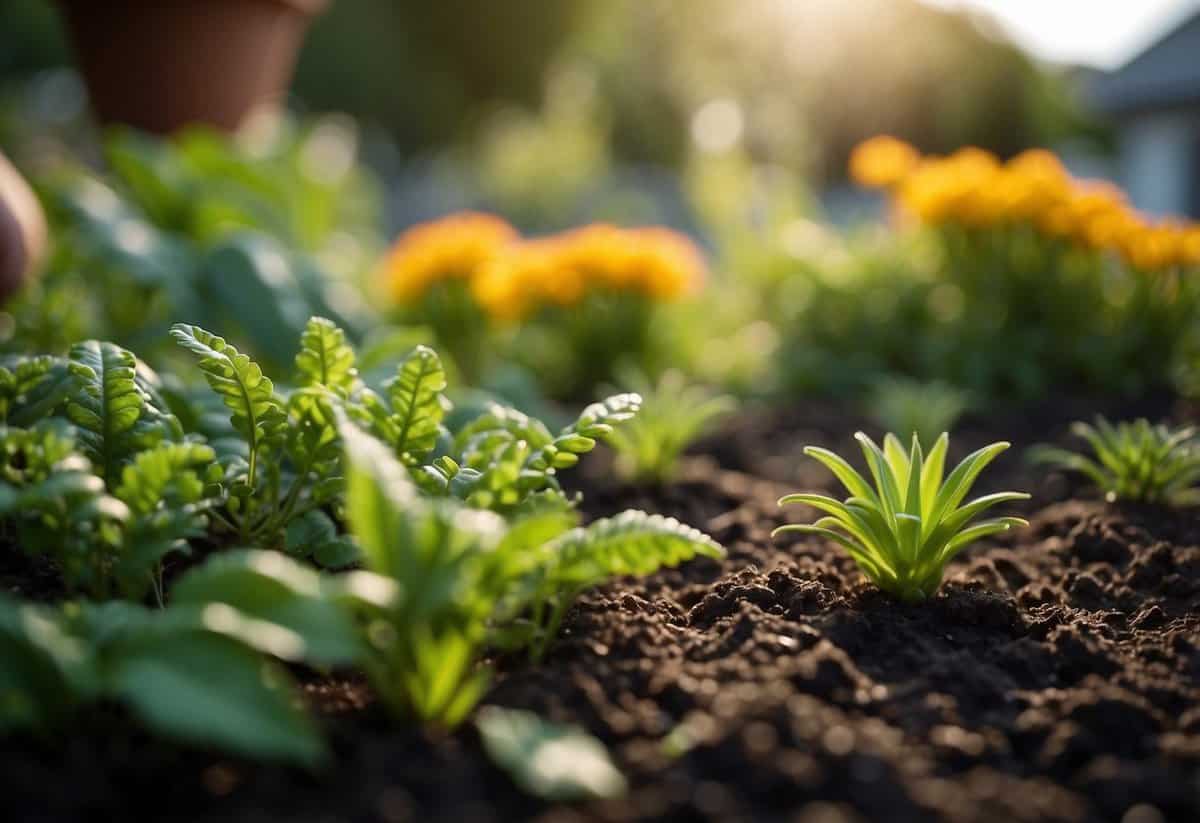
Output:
x,y
417,406
325,358
247,393
631,543
113,413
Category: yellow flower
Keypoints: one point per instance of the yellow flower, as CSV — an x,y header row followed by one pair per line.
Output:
x,y
670,263
562,269
1034,187
451,248
882,162
958,187
1156,247
1189,245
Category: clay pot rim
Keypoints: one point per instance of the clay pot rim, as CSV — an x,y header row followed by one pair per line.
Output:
x,y
310,8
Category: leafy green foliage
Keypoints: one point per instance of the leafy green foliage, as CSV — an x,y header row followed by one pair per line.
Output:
x,y
47,671
314,535
114,416
554,762
632,543
503,457
467,578
904,531
165,491
201,228
296,610
18,377
411,419
923,408
57,507
1133,461
34,388
673,415
194,674
425,646
325,358
294,441
256,413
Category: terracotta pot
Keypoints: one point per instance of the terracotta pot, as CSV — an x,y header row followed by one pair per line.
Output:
x,y
22,230
162,64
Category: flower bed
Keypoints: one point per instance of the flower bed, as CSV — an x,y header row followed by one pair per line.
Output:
x,y
1053,678
337,569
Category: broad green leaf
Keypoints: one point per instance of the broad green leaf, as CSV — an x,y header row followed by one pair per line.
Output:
x,y
273,588
553,762
202,688
46,669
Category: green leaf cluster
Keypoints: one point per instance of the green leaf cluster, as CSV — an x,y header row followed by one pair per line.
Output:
x,y
470,546
1135,461
288,465
206,670
925,408
904,531
468,579
674,414
103,480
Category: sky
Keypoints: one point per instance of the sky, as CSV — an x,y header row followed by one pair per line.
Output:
x,y
1100,33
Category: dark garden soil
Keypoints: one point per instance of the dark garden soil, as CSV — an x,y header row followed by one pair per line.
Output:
x,y
1055,677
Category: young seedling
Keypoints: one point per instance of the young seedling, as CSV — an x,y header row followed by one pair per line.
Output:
x,y
1133,461
904,531
674,415
908,406
469,579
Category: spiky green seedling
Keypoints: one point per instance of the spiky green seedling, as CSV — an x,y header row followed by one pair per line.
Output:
x,y
904,531
1134,461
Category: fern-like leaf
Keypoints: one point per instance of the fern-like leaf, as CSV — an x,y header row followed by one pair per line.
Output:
x,y
19,376
325,358
595,422
631,543
249,395
164,476
164,488
40,387
115,417
411,420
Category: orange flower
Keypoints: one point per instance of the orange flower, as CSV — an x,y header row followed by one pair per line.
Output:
x,y
1189,245
882,162
560,270
451,248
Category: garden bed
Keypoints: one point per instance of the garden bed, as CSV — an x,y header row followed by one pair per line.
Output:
x,y
1056,676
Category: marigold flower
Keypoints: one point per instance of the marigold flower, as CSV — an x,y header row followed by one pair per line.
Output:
x,y
454,247
882,162
1189,245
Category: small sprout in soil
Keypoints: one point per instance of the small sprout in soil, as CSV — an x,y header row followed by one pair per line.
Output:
x,y
674,415
924,407
903,532
1133,461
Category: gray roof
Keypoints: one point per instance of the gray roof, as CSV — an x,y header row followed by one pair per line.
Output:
x,y
1164,76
